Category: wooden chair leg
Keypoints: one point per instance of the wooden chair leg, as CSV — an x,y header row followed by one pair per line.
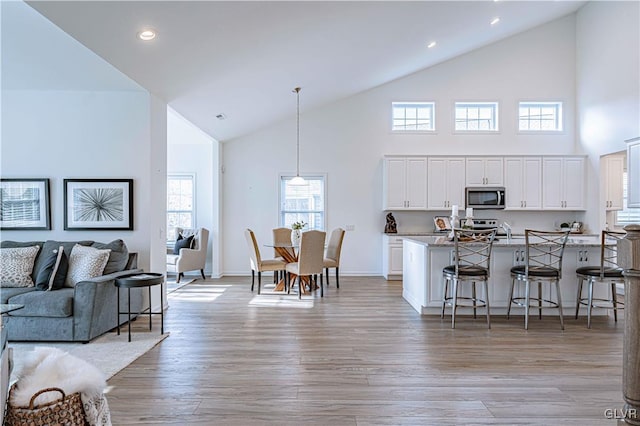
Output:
x,y
180,275
326,271
253,279
299,287
259,281
202,273
337,278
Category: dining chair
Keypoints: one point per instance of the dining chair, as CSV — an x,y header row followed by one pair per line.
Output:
x,y
472,261
543,264
607,272
258,264
309,264
332,256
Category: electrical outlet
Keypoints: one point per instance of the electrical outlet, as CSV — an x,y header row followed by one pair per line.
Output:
x,y
350,228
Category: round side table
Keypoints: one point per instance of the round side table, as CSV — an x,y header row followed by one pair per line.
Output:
x,y
142,279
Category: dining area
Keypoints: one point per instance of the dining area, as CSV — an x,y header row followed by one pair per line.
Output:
x,y
300,260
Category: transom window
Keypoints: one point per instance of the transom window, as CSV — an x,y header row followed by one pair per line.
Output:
x,y
476,116
540,116
413,116
180,203
303,203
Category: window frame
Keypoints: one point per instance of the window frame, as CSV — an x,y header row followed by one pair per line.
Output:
x,y
496,117
617,223
561,120
431,131
194,222
290,176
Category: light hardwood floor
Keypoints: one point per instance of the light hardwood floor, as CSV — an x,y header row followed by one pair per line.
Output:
x,y
363,356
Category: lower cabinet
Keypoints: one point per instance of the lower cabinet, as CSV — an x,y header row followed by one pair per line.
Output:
x,y
392,257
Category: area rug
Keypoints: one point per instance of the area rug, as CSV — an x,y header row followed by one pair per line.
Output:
x,y
172,285
109,352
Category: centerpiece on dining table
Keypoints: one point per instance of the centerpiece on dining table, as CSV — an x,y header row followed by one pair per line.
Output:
x,y
297,232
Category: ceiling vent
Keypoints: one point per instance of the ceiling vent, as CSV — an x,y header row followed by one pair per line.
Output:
x,y
221,116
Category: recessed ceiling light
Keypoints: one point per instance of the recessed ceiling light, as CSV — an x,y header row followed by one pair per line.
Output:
x,y
495,21
147,34
221,116
432,44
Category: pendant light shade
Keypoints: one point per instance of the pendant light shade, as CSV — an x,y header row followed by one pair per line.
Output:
x,y
298,180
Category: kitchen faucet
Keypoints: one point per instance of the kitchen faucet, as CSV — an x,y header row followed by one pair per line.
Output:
x,y
507,229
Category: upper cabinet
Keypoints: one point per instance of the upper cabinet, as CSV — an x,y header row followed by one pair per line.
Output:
x,y
484,171
612,180
405,183
523,183
446,182
633,172
563,183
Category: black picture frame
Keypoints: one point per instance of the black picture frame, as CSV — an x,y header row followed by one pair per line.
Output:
x,y
25,204
98,204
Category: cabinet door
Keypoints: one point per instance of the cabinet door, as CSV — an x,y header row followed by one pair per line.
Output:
x,y
532,183
493,172
395,260
394,181
573,183
416,183
475,172
633,174
552,188
436,183
514,183
455,179
613,182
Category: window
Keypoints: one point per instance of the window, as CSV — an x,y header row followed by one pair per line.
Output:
x,y
626,216
413,117
476,116
180,203
303,202
540,117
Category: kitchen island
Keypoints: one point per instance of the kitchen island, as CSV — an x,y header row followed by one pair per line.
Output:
x,y
424,257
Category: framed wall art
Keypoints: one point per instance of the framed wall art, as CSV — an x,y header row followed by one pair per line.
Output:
x,y
24,204
98,204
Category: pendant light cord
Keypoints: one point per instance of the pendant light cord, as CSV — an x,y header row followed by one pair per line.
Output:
x,y
297,90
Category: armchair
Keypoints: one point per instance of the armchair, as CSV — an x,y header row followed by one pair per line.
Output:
x,y
189,259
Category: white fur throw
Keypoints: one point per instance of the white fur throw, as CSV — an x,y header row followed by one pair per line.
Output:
x,y
47,367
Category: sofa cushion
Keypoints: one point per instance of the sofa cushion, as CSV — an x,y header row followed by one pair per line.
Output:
x,y
16,265
58,303
13,244
51,245
54,271
8,293
85,263
117,258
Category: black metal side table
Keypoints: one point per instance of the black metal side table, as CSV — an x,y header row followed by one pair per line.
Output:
x,y
143,279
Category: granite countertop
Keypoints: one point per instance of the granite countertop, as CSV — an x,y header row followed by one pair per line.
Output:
x,y
516,240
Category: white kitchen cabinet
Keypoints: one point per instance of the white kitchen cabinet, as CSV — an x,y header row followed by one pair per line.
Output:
x,y
484,171
523,183
633,172
611,179
392,257
445,182
405,183
563,183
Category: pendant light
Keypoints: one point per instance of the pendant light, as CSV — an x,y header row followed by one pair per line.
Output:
x,y
298,180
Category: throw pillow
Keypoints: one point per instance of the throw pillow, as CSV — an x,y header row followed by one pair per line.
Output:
x,y
117,258
16,265
85,263
182,242
54,271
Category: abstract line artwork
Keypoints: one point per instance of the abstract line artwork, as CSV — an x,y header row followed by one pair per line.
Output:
x,y
96,204
24,204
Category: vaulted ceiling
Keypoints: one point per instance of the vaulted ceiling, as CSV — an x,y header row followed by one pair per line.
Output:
x,y
242,58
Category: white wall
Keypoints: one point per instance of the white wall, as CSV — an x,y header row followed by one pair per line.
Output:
x,y
608,83
347,140
192,151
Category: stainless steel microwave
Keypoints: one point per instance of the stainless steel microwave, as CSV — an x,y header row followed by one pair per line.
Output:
x,y
484,197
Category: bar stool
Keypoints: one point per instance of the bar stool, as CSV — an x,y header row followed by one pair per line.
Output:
x,y
472,257
608,272
543,264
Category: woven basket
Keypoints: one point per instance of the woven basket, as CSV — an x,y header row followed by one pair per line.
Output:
x,y
66,411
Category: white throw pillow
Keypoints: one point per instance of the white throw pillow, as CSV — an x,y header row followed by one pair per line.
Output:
x,y
84,263
16,265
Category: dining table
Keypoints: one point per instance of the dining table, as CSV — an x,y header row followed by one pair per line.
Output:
x,y
289,252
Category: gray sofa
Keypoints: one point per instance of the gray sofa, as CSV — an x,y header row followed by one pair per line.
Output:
x,y
77,314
